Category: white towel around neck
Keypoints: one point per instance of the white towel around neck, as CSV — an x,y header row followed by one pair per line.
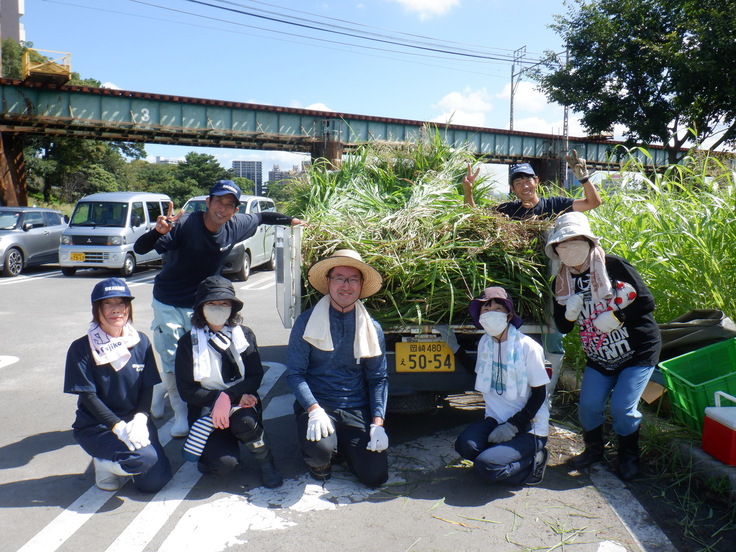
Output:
x,y
317,331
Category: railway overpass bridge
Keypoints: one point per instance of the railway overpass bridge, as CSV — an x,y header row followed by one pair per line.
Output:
x,y
121,115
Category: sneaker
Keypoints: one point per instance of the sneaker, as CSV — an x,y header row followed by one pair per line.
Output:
x,y
540,465
321,473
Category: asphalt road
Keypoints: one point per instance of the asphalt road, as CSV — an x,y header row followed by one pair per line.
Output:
x,y
431,502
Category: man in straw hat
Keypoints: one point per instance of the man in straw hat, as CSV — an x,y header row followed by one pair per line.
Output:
x,y
336,367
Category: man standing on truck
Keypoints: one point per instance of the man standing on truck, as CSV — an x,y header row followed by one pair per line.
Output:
x,y
523,183
336,367
195,246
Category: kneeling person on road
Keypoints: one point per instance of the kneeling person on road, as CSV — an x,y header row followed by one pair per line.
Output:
x,y
508,445
336,367
112,370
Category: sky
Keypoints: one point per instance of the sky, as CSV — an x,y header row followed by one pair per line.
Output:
x,y
425,60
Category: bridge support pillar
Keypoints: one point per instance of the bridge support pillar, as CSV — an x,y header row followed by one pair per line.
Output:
x,y
548,170
330,150
12,170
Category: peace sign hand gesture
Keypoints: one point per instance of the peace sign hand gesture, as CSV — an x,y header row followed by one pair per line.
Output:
x,y
164,223
469,178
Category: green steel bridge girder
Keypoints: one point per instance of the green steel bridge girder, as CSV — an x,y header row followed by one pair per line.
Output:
x,y
107,114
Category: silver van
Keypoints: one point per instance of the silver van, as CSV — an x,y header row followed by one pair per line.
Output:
x,y
255,251
104,227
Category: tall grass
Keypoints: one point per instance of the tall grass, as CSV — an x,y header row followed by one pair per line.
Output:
x,y
678,229
401,208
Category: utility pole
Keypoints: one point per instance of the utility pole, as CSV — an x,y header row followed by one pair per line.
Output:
x,y
515,77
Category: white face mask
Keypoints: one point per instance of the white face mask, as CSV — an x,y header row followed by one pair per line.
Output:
x,y
494,322
573,253
216,315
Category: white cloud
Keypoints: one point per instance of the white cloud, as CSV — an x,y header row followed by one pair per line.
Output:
x,y
110,85
468,107
319,106
428,8
526,97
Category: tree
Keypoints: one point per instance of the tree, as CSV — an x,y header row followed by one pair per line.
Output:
x,y
662,68
204,169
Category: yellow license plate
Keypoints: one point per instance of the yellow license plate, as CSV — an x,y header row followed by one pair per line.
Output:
x,y
76,257
424,357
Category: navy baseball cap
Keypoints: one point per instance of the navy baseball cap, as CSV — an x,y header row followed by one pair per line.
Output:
x,y
112,287
521,168
224,187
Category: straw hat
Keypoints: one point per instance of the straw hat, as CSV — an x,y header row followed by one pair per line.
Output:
x,y
317,275
569,225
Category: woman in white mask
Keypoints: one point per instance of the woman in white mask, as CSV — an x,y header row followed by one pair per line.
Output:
x,y
508,445
612,307
218,373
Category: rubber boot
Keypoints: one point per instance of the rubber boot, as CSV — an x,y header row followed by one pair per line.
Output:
x,y
270,476
180,428
157,404
593,452
109,475
628,455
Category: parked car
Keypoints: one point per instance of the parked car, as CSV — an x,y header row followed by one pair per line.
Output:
x,y
104,228
255,251
29,236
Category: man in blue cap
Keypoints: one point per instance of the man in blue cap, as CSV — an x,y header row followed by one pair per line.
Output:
x,y
195,247
523,182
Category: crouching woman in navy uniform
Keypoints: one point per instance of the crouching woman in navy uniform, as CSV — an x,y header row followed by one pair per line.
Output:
x,y
112,369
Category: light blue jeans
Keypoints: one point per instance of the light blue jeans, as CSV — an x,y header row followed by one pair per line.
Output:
x,y
169,324
624,389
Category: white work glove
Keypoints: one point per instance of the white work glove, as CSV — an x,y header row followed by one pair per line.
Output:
x,y
379,439
121,430
319,424
137,430
448,336
607,322
573,307
578,166
504,432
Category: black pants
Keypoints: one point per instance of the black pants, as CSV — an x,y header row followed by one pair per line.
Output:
x,y
351,438
222,452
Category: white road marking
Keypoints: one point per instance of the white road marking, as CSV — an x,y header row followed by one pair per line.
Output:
x,y
57,532
159,509
23,278
7,360
283,405
635,518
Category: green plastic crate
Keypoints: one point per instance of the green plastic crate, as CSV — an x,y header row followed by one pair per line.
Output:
x,y
693,379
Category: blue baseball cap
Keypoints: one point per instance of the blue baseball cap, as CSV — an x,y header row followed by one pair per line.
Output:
x,y
224,187
521,168
112,287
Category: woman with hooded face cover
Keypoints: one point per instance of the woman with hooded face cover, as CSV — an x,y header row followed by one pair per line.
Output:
x,y
508,444
613,307
218,373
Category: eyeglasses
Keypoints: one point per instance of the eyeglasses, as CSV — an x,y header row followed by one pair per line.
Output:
x,y
354,281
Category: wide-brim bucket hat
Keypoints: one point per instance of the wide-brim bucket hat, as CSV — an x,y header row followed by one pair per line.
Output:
x,y
569,225
217,288
499,294
317,275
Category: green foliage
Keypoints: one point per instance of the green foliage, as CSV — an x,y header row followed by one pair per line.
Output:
x,y
401,209
654,66
203,169
678,232
12,53
246,185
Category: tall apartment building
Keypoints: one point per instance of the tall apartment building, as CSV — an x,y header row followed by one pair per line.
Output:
x,y
10,26
252,170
